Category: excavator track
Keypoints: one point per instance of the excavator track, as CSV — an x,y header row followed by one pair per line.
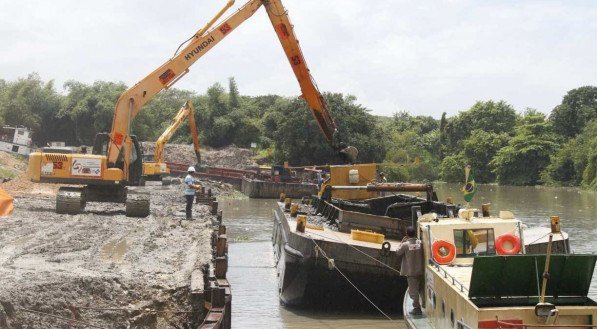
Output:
x,y
70,200
137,204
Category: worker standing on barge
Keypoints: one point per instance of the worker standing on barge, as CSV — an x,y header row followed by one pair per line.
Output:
x,y
413,268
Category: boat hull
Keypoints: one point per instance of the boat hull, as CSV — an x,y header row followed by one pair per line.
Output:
x,y
308,279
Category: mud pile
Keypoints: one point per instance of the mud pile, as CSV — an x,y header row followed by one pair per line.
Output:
x,y
12,162
12,169
101,268
227,157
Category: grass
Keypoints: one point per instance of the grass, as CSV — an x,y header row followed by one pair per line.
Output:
x,y
7,174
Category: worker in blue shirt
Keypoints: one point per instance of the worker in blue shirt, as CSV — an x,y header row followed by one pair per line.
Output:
x,y
189,191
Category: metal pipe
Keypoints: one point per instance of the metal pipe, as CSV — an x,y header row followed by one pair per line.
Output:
x,y
386,187
214,19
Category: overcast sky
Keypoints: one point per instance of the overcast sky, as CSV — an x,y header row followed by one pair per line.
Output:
x,y
425,57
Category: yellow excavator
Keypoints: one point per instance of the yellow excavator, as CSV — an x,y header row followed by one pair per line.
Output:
x,y
115,164
154,167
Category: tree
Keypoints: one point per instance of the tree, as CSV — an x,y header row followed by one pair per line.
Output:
x,y
578,107
490,116
451,169
527,153
479,149
90,107
234,97
158,113
217,126
34,104
442,136
575,163
297,138
414,145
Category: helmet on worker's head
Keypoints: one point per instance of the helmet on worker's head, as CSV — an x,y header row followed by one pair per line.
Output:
x,y
191,169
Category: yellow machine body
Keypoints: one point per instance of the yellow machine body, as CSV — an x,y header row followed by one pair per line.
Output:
x,y
72,168
344,175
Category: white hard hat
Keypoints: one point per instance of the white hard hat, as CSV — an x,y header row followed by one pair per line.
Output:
x,y
191,169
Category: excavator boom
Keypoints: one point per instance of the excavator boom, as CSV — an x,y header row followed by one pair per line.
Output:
x,y
278,16
132,100
186,111
285,32
157,167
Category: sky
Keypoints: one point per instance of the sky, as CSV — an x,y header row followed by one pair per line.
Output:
x,y
423,57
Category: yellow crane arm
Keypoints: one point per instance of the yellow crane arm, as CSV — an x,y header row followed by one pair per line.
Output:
x,y
133,99
194,134
186,111
278,16
285,32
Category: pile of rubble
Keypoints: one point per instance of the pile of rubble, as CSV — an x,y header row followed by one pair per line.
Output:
x,y
228,157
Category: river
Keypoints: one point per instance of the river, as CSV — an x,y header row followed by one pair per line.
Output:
x,y
253,276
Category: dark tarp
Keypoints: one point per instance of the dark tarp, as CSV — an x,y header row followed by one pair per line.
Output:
x,y
495,277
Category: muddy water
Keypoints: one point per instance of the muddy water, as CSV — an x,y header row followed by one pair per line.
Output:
x,y
253,276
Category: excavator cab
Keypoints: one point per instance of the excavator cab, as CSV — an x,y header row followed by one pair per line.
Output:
x,y
100,147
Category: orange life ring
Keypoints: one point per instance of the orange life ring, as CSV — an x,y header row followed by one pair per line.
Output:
x,y
503,239
439,249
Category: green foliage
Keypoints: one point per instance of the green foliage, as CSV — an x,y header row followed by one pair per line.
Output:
x,y
297,138
7,174
34,104
451,169
479,148
397,173
90,108
575,163
158,113
234,96
412,139
442,136
498,144
578,107
527,153
490,116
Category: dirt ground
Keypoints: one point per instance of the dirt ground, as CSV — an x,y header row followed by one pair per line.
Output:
x,y
100,268
228,157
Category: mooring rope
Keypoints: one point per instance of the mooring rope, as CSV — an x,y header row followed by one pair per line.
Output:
x,y
350,282
357,249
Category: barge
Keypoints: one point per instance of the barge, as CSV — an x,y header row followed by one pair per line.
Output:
x,y
262,189
345,255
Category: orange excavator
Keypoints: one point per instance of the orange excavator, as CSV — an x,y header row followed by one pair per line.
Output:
x,y
154,167
115,165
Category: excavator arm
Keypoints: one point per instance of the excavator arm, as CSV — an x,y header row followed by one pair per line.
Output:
x,y
278,16
132,100
186,111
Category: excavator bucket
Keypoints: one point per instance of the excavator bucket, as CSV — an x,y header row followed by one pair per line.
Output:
x,y
6,205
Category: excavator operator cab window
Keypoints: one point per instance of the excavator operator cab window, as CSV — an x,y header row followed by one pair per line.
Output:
x,y
134,154
474,242
100,145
